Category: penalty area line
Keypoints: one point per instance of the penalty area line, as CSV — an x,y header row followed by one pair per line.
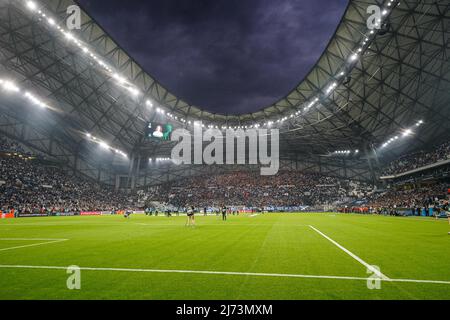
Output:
x,y
351,254
278,275
31,245
30,239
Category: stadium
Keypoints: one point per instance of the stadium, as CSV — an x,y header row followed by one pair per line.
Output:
x,y
95,204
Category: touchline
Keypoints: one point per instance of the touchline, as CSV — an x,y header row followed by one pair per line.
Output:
x,y
234,142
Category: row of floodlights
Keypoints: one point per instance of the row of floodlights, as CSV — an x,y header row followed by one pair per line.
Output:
x,y
120,80
405,133
346,152
159,159
105,145
10,86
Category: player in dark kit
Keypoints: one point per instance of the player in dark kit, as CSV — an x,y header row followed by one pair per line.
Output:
x,y
127,214
224,213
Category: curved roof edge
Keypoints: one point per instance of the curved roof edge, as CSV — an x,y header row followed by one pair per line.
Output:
x,y
351,28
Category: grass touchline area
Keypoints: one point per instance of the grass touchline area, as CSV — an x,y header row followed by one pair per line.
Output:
x,y
277,256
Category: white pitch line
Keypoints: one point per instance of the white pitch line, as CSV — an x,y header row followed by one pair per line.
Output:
x,y
33,245
351,254
278,275
30,239
187,272
418,281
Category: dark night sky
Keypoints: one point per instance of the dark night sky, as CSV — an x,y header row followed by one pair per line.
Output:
x,y
226,56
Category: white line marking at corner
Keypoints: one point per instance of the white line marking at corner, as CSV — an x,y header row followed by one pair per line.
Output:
x,y
351,254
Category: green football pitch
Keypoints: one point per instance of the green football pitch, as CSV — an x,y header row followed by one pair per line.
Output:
x,y
271,256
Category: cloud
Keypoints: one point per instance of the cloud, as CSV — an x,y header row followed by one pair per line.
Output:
x,y
226,56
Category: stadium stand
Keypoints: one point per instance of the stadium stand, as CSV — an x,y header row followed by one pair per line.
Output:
x,y
418,160
287,189
419,198
416,184
104,135
29,186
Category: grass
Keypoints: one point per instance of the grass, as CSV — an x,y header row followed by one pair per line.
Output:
x,y
404,248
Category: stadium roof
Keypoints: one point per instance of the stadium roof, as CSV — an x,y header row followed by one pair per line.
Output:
x,y
366,88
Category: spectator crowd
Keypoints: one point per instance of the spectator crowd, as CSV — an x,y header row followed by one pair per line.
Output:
x,y
249,189
418,160
29,186
423,197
